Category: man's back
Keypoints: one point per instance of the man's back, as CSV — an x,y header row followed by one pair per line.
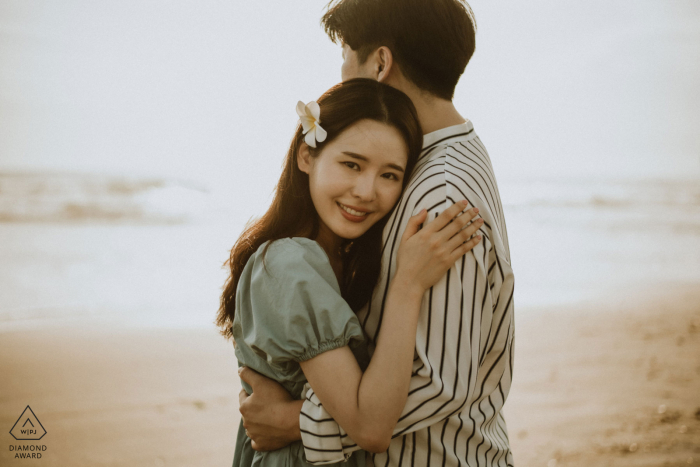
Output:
x,y
464,347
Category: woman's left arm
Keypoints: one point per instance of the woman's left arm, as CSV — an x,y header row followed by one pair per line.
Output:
x,y
368,405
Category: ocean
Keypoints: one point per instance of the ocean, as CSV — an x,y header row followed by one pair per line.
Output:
x,y
149,252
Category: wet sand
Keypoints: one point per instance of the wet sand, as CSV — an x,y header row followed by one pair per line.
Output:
x,y
601,384
609,384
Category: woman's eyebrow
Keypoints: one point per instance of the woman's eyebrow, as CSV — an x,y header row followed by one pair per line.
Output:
x,y
363,158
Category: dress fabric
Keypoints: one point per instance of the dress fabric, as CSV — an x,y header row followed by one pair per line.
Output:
x,y
463,365
288,310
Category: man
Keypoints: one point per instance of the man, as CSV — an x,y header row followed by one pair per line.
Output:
x,y
464,346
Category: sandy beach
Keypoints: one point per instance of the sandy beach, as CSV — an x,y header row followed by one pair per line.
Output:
x,y
121,397
609,384
604,384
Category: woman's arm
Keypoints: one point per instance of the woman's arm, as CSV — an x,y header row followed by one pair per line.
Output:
x,y
368,405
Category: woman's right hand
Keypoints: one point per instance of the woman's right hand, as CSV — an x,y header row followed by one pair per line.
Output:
x,y
425,255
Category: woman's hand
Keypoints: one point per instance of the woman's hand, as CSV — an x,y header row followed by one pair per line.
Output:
x,y
425,255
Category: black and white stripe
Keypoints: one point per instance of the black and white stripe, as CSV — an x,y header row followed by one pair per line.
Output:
x,y
463,364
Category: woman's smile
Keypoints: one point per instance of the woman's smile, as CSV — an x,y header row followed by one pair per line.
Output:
x,y
356,179
353,214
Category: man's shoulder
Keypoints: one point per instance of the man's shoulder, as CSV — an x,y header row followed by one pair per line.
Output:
x,y
441,142
436,159
432,181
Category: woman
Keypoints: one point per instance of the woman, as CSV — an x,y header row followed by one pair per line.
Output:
x,y
299,273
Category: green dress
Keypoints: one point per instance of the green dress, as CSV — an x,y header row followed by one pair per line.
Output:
x,y
289,310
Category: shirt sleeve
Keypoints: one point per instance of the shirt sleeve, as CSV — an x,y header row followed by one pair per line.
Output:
x,y
451,342
298,311
324,440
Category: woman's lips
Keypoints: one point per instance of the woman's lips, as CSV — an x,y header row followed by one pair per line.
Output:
x,y
351,217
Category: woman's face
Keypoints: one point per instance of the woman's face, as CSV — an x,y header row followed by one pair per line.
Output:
x,y
357,178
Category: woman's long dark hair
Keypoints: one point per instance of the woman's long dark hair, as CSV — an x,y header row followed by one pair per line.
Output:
x,y
292,212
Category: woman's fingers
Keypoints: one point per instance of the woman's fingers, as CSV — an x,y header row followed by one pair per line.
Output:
x,y
446,216
452,220
457,221
457,224
465,248
465,234
413,224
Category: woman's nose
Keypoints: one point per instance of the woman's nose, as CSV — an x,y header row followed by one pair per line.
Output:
x,y
364,188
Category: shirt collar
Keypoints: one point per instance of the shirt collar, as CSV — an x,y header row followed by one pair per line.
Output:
x,y
447,133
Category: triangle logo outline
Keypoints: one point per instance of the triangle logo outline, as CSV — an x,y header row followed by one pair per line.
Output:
x,y
24,412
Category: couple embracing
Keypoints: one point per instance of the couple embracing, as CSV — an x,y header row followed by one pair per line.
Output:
x,y
371,306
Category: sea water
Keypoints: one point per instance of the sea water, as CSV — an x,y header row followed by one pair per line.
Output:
x,y
150,253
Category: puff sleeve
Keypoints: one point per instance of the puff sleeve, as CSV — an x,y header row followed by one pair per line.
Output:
x,y
292,309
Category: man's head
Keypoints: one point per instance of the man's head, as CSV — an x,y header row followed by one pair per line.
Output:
x,y
429,41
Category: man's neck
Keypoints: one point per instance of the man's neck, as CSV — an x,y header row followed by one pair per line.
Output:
x,y
434,113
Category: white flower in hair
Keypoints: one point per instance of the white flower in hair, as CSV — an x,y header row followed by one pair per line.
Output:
x,y
310,117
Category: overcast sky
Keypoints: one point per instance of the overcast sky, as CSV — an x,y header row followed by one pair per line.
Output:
x,y
206,90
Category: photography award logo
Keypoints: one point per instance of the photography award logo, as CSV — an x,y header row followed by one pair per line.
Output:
x,y
28,428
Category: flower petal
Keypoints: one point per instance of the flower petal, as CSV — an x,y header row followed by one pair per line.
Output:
x,y
306,123
310,138
320,134
314,110
301,109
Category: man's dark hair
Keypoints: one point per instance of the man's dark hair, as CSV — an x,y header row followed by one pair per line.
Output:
x,y
431,40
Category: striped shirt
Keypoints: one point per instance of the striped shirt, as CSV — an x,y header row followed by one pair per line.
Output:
x,y
463,361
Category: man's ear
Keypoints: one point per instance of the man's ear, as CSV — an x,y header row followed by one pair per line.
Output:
x,y
304,158
384,60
